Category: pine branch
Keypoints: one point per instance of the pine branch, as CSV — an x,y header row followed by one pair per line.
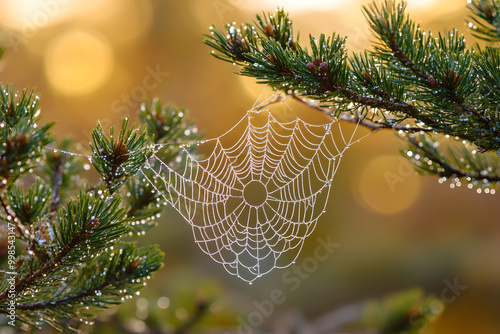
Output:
x,y
455,164
313,75
69,262
166,125
10,216
324,74
489,63
61,171
447,80
23,145
485,20
123,269
118,160
80,246
23,139
411,82
91,222
27,208
64,300
363,121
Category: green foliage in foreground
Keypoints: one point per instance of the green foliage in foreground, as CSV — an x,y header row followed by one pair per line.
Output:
x,y
64,239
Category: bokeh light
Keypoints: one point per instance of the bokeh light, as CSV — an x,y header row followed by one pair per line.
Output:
x,y
123,21
78,62
27,16
388,184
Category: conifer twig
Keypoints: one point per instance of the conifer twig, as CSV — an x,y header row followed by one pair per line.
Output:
x,y
449,170
362,121
51,303
58,174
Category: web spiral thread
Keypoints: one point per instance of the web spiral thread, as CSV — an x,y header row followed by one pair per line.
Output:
x,y
254,200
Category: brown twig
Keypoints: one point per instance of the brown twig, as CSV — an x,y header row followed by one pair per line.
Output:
x,y
20,229
47,266
58,174
50,303
431,81
450,170
364,122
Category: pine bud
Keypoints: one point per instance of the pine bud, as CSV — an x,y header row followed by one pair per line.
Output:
x,y
317,61
21,140
383,22
159,123
236,42
488,9
93,224
453,79
268,29
27,208
452,75
132,266
323,67
311,67
272,59
244,45
19,263
292,45
120,152
367,75
431,81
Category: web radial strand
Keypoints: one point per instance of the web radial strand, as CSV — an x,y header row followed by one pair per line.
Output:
x,y
259,194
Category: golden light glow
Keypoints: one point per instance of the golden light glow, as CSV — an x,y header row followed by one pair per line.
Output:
x,y
250,86
27,16
388,184
131,20
292,5
420,3
78,62
427,10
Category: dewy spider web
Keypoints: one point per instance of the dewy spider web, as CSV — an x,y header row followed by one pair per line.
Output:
x,y
259,194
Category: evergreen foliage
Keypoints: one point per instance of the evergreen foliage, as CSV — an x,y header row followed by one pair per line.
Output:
x,y
68,256
421,84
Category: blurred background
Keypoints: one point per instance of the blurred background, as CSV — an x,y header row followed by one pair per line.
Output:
x,y
98,60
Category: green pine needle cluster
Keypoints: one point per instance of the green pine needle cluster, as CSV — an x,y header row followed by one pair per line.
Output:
x,y
421,84
118,159
64,240
484,20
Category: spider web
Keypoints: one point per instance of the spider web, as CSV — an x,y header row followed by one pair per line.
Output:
x,y
255,199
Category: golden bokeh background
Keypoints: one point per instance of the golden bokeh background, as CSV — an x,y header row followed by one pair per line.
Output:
x,y
97,60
